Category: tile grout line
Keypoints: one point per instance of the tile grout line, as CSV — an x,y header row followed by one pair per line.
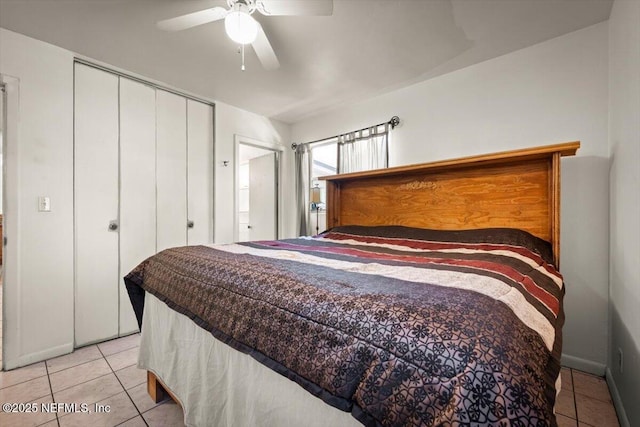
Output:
x,y
53,398
119,351
124,388
575,401
75,366
25,381
108,397
102,356
573,392
112,371
84,382
93,379
48,375
80,364
608,402
573,398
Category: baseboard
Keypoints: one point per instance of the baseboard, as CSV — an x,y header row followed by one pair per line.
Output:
x,y
617,401
584,365
39,356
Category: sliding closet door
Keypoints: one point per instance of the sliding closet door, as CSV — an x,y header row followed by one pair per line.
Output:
x,y
200,172
137,185
96,205
171,175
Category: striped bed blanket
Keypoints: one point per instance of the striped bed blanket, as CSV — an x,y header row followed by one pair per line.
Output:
x,y
399,326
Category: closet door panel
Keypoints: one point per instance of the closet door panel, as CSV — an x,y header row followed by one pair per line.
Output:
x,y
200,172
171,174
96,204
137,186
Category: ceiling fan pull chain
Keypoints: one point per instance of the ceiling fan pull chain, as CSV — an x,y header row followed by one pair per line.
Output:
x,y
242,68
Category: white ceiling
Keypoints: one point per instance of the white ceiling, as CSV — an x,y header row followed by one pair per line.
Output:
x,y
366,48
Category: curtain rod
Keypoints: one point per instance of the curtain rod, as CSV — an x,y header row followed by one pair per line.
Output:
x,y
395,121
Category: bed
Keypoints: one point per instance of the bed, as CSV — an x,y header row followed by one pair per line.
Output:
x,y
433,298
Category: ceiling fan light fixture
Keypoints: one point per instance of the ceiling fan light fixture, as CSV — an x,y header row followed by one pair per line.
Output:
x,y
240,25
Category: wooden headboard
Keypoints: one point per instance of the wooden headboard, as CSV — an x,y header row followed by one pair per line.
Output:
x,y
515,189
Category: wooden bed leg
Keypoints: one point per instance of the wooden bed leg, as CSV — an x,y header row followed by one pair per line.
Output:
x,y
158,391
154,388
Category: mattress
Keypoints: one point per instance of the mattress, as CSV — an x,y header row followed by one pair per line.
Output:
x,y
397,326
219,386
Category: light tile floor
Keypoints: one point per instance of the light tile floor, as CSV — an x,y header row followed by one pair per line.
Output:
x,y
106,374
585,400
103,374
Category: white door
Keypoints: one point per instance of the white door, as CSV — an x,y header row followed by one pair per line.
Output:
x,y
137,186
243,201
199,173
96,205
171,174
262,197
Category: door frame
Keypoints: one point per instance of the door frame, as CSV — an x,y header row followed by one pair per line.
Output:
x,y
278,150
11,298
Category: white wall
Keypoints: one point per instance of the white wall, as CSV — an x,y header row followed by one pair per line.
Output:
x,y
552,92
231,121
38,290
624,140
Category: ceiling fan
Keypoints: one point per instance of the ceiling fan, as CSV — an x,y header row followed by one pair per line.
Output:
x,y
243,29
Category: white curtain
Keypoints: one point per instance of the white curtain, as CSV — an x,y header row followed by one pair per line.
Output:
x,y
363,150
303,184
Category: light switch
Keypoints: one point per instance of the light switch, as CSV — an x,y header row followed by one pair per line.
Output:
x,y
44,204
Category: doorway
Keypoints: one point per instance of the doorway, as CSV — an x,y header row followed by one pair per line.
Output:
x,y
256,194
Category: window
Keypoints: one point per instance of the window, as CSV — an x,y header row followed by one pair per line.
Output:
x,y
356,151
324,161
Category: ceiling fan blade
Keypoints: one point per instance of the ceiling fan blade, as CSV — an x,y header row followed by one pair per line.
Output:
x,y
192,19
265,52
295,7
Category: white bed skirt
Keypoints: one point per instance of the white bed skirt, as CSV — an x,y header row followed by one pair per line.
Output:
x,y
220,386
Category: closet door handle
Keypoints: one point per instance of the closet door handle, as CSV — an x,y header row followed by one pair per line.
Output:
x,y
113,225
190,224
